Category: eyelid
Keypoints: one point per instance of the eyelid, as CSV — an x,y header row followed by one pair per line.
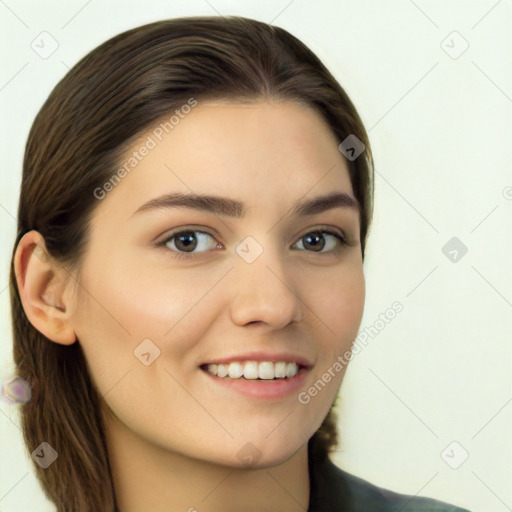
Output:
x,y
180,229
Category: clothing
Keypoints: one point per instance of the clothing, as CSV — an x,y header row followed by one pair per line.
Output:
x,y
334,490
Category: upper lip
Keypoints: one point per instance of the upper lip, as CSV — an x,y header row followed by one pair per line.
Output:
x,y
262,356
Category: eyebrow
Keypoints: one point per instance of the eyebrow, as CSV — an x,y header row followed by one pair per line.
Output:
x,y
233,208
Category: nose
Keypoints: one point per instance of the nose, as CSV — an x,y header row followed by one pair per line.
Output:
x,y
264,292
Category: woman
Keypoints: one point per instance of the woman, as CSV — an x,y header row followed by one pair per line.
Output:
x,y
195,204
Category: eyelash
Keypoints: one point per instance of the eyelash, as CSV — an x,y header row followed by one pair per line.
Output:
x,y
186,256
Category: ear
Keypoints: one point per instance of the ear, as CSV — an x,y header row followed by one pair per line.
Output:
x,y
44,287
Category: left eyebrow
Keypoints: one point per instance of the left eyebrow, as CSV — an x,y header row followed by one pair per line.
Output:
x,y
232,208
323,203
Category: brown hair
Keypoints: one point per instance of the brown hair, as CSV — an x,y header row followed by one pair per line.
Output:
x,y
77,141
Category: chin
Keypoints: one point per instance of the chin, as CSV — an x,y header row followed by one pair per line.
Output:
x,y
274,460
265,453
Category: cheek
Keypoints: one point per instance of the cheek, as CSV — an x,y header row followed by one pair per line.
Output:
x,y
123,305
347,305
336,300
338,307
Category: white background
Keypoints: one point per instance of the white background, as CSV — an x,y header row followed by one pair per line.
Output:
x,y
440,128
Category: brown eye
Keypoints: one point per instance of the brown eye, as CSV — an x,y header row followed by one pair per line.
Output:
x,y
315,241
183,244
186,241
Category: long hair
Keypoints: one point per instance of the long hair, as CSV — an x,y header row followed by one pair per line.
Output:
x,y
76,143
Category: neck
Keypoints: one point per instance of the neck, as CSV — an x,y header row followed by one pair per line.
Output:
x,y
147,477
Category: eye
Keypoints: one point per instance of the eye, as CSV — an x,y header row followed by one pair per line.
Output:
x,y
183,244
315,240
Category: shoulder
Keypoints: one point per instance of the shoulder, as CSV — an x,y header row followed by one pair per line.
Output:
x,y
334,490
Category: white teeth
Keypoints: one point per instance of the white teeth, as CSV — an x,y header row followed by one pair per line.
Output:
x,y
280,370
266,370
291,370
222,370
251,370
235,370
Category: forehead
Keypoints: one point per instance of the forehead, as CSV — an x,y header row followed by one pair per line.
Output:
x,y
261,152
269,132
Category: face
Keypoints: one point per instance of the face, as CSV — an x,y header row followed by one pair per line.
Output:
x,y
169,289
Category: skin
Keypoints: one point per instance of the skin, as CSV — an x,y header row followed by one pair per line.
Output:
x,y
173,433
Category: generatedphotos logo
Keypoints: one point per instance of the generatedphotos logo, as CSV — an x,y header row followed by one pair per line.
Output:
x,y
151,142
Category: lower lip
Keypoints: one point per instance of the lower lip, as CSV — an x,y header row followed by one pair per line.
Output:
x,y
264,389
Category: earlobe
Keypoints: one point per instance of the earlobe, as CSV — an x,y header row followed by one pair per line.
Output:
x,y
42,283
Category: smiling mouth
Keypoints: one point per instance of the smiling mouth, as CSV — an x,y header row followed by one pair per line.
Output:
x,y
254,370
